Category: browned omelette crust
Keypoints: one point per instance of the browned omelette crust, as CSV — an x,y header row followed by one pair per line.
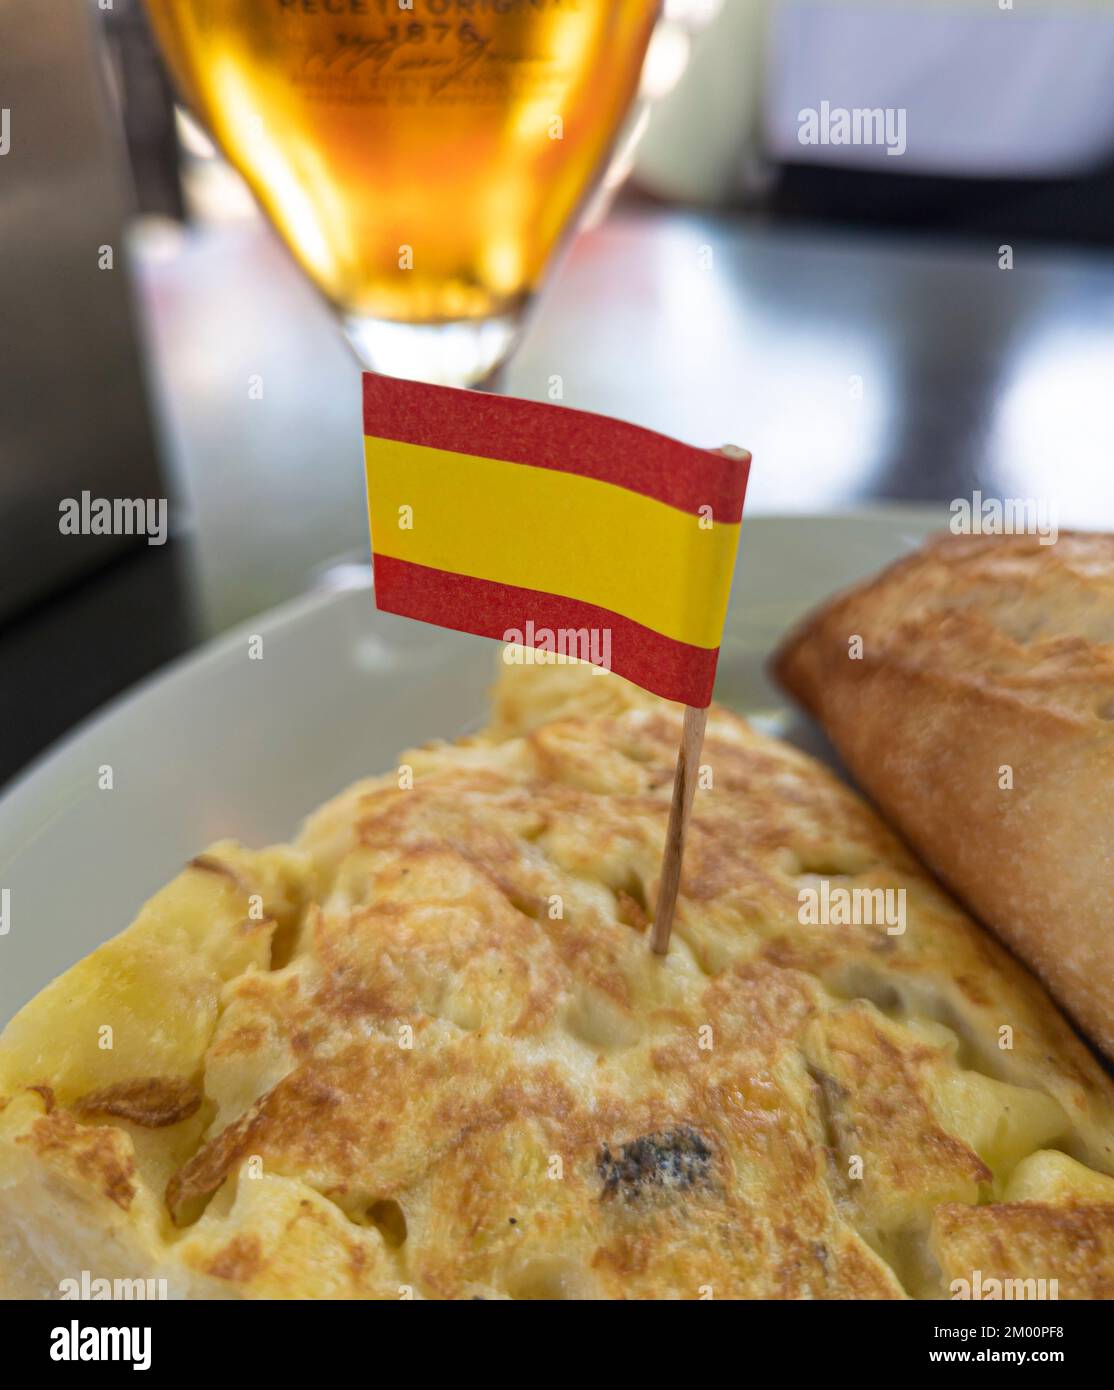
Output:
x,y
436,1058
1016,1244
980,717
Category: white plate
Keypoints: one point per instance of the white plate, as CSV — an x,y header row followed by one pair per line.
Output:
x,y
223,745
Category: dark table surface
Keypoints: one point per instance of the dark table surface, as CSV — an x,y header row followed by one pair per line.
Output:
x,y
857,367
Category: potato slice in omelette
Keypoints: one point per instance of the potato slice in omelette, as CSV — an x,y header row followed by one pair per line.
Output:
x,y
426,1052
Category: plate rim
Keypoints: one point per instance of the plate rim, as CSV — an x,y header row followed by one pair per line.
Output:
x,y
27,782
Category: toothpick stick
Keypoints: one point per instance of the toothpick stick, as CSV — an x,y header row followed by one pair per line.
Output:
x,y
684,788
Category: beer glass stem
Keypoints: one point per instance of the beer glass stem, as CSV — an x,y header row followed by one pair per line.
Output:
x,y
463,352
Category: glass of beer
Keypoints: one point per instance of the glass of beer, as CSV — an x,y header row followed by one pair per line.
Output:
x,y
421,158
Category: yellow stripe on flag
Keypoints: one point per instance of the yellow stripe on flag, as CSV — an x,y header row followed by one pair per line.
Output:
x,y
540,528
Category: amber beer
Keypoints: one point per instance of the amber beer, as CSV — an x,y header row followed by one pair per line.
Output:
x,y
421,159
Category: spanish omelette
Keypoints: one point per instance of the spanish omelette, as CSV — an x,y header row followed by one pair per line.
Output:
x,y
425,1051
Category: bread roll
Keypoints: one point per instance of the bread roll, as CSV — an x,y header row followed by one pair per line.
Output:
x,y
979,715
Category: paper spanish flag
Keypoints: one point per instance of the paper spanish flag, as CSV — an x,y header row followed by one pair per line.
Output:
x,y
528,522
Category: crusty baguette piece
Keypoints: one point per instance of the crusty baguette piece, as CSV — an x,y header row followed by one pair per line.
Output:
x,y
980,718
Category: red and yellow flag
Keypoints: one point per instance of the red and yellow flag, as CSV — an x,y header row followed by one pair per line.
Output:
x,y
554,528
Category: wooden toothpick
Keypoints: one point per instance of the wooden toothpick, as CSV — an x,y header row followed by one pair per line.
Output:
x,y
684,788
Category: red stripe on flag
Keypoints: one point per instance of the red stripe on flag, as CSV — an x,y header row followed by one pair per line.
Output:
x,y
660,664
557,437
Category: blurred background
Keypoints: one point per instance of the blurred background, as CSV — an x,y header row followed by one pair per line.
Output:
x,y
870,240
